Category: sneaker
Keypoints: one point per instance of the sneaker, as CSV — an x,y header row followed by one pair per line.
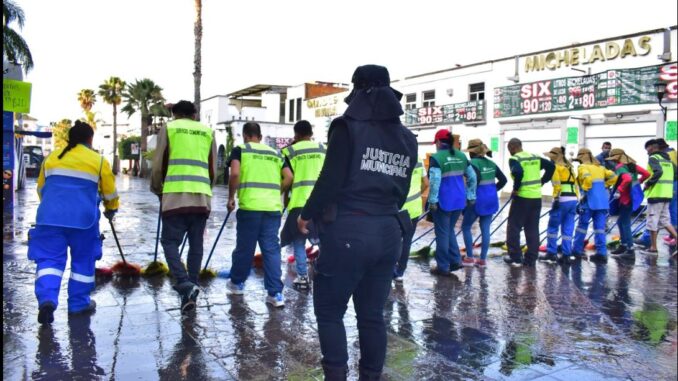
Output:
x,y
468,262
235,288
627,255
276,300
549,257
87,310
649,252
301,281
577,256
641,243
598,258
188,299
481,263
437,271
513,261
46,313
567,259
455,266
670,241
619,250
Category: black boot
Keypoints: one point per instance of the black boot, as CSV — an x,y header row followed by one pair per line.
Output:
x,y
333,373
46,313
619,250
368,375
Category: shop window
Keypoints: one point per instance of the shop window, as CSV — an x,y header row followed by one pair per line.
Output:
x,y
290,116
476,91
410,101
428,98
298,108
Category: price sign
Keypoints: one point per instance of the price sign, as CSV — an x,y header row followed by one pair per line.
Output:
x,y
609,88
466,112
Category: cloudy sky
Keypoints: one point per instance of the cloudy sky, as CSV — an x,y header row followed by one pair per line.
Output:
x,y
77,44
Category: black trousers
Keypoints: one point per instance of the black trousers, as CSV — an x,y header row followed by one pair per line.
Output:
x,y
523,214
174,227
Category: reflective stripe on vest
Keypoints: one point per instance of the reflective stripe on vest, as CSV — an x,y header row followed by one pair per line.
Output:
x,y
259,188
413,203
663,188
188,165
306,159
530,186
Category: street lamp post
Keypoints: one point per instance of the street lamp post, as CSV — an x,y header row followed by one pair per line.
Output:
x,y
660,87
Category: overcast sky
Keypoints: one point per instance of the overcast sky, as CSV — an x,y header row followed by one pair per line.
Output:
x,y
76,44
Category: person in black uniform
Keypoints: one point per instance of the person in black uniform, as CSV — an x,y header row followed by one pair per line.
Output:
x,y
355,204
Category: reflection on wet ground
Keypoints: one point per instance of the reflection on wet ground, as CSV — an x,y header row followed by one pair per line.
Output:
x,y
584,322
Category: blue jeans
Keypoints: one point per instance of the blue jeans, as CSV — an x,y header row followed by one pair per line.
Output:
x,y
674,205
447,249
299,246
256,227
561,219
624,225
470,217
599,218
357,256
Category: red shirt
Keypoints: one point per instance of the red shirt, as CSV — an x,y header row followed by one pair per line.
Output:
x,y
624,187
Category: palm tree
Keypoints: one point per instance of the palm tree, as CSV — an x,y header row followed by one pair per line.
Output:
x,y
111,92
60,133
87,99
197,57
14,47
142,96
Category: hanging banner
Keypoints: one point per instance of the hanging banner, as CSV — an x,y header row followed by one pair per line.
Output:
x,y
466,112
610,88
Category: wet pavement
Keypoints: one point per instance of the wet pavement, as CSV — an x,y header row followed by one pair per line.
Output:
x,y
584,322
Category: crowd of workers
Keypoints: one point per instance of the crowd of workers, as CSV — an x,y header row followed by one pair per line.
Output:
x,y
360,198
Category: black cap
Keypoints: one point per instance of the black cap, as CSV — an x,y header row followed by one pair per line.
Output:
x,y
662,143
367,76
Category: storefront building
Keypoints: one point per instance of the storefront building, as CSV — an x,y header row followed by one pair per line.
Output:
x,y
573,96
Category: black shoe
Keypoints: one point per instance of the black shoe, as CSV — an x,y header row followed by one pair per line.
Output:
x,y
549,257
456,266
578,256
87,310
566,260
188,299
627,255
598,258
46,313
438,271
513,260
619,250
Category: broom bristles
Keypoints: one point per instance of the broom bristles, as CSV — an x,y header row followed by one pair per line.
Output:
x,y
207,274
126,269
103,272
155,268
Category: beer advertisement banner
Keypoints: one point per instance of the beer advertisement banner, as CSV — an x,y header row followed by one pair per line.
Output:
x,y
609,88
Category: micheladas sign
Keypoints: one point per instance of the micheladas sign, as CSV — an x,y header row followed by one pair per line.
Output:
x,y
587,55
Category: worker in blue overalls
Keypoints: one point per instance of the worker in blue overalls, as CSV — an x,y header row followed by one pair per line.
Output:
x,y
71,183
593,180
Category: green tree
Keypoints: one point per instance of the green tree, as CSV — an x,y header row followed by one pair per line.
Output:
x,y
143,96
87,99
60,133
111,92
197,57
14,47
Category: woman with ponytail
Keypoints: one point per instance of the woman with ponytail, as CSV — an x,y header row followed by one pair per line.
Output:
x,y
563,209
71,183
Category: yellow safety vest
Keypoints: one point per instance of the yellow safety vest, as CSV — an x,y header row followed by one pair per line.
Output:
x,y
306,159
530,185
188,166
663,188
413,203
259,188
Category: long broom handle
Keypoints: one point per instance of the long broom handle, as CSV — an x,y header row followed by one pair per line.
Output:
x,y
115,236
639,215
183,244
216,240
576,219
501,210
157,233
422,235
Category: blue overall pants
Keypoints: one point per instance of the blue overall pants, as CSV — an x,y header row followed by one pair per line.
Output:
x,y
561,219
47,247
599,218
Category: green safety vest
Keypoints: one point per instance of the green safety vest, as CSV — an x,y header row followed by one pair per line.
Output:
x,y
189,149
663,188
306,159
487,170
413,203
530,186
259,189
